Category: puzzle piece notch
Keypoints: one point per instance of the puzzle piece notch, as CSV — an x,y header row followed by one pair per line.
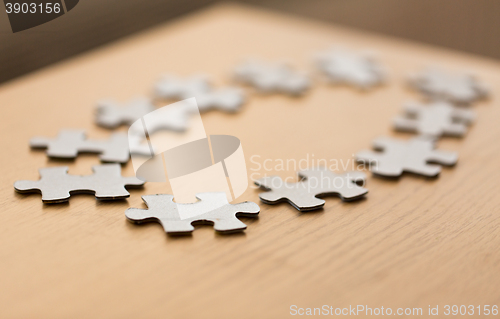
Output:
x,y
162,209
434,119
412,156
56,185
342,66
268,78
456,88
111,114
69,143
303,195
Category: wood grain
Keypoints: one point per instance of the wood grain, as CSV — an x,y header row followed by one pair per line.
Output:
x,y
411,243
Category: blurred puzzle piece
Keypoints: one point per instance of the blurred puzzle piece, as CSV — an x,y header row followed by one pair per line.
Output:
x,y
434,119
343,67
172,87
412,156
272,78
455,88
227,99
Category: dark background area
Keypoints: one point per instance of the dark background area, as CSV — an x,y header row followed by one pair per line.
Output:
x,y
467,25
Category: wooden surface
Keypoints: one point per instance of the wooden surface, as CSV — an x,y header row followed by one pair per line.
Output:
x,y
411,243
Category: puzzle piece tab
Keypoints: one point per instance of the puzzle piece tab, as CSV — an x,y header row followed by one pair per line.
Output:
x,y
318,182
412,156
56,186
71,142
178,219
111,114
343,67
455,88
269,78
434,119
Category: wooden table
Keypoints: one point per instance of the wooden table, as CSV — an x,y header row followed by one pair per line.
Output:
x,y
412,243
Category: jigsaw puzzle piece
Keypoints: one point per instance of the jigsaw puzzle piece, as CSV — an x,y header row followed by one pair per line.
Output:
x,y
212,209
56,185
269,77
457,88
434,120
413,156
342,66
303,195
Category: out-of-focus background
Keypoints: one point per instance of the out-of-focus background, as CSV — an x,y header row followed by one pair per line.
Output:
x,y
467,25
